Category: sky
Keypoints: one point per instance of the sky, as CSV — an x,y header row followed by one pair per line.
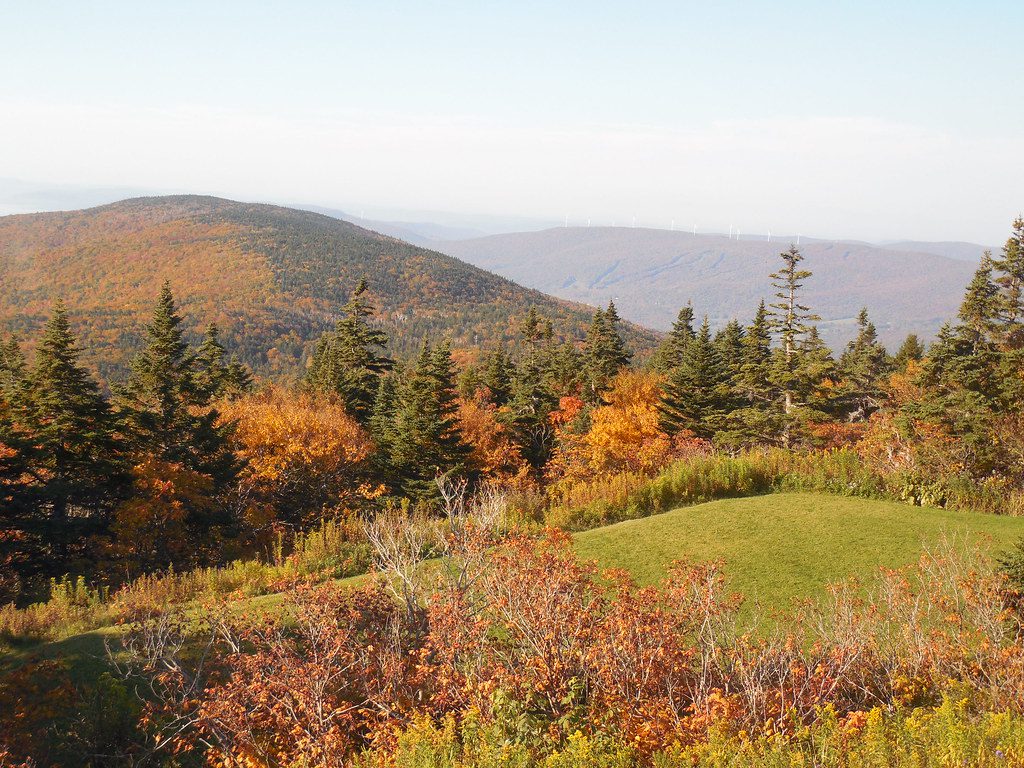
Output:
x,y
870,120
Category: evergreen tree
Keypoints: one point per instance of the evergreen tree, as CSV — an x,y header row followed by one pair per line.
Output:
x,y
753,383
166,407
730,345
817,367
497,376
670,352
755,420
563,370
696,392
425,440
381,425
964,374
77,458
791,321
20,539
911,350
604,350
1010,281
862,367
12,368
215,377
526,413
349,361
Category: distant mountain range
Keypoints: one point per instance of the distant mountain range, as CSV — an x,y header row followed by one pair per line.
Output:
x,y
651,273
273,278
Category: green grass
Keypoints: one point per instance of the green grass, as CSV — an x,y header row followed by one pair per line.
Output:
x,y
787,545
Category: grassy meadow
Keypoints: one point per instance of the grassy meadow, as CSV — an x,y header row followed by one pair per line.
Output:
x,y
786,546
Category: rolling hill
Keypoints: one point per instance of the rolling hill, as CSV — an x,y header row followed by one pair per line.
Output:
x,y
787,546
651,273
273,278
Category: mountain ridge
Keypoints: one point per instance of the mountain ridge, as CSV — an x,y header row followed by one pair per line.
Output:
x,y
651,273
274,278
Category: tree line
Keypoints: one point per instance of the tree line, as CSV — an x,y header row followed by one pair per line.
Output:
x,y
188,461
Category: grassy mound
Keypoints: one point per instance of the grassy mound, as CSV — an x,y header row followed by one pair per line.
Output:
x,y
786,545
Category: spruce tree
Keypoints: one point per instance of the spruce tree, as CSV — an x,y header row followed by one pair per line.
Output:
x,y
166,407
77,457
605,352
862,367
696,393
911,350
791,321
215,376
670,352
349,361
425,440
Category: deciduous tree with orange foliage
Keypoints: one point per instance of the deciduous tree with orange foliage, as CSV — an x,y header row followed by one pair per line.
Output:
x,y
624,433
304,455
493,454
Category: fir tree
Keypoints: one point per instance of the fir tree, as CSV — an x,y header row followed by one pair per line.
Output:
x,y
497,376
349,361
166,407
862,367
77,457
526,413
604,350
12,368
670,352
696,393
817,367
381,425
1010,280
215,377
911,350
425,440
753,383
730,345
755,420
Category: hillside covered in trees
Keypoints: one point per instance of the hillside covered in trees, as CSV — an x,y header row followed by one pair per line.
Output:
x,y
158,511
272,279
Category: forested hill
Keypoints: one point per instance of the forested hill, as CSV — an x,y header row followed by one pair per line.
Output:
x,y
272,278
650,273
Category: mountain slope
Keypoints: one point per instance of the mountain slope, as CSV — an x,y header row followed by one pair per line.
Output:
x,y
651,273
273,278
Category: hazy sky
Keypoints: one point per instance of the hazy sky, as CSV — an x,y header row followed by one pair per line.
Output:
x,y
847,119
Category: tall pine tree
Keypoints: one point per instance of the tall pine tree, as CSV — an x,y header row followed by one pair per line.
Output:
x,y
696,393
425,440
166,406
790,320
350,361
862,367
77,457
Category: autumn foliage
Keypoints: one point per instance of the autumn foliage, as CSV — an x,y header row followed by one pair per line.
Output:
x,y
534,634
304,455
